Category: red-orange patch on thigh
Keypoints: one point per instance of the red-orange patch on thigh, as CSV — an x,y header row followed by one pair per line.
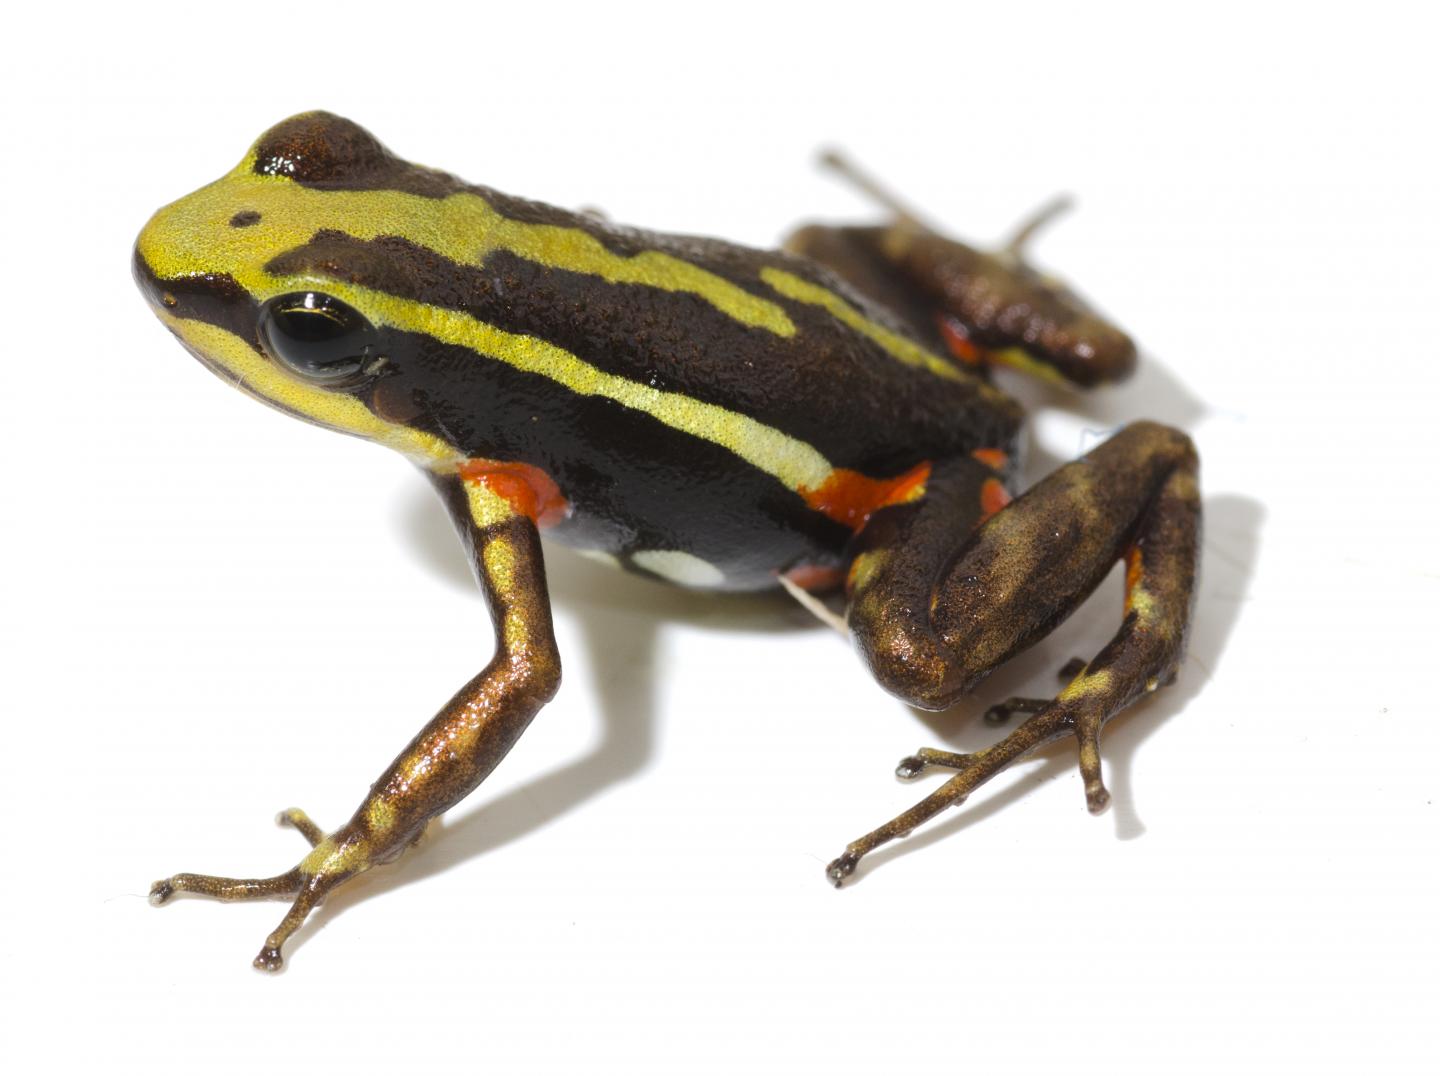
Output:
x,y
993,497
994,458
958,341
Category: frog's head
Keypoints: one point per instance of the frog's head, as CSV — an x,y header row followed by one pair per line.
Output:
x,y
271,278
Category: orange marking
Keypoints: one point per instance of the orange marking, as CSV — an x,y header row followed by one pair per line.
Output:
x,y
1134,573
994,458
529,490
815,577
850,498
993,497
957,339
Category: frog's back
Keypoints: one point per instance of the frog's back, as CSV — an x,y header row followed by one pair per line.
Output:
x,y
764,334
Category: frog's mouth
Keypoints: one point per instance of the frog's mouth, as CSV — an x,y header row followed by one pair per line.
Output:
x,y
214,299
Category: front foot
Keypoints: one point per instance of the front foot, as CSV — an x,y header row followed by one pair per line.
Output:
x,y
335,859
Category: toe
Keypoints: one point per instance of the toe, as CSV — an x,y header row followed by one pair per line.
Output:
x,y
269,959
842,868
909,767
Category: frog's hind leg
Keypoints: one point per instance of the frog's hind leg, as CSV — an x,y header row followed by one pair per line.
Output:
x,y
932,621
849,253
983,308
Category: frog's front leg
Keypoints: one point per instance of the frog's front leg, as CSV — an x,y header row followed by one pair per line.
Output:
x,y
459,747
932,620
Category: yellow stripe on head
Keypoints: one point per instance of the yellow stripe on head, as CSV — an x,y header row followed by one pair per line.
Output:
x,y
194,236
202,235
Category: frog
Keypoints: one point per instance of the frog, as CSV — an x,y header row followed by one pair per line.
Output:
x,y
821,419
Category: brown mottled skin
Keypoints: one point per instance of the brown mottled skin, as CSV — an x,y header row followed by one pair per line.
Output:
x,y
1001,301
933,621
941,588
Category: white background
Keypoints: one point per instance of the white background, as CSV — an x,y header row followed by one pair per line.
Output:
x,y
211,612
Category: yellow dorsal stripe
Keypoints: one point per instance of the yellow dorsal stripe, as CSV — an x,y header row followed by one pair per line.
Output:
x,y
192,236
899,347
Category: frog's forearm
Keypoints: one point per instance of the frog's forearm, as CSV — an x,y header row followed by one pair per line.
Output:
x,y
475,729
461,744
458,749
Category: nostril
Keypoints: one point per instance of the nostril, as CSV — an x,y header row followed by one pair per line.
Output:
x,y
245,218
169,299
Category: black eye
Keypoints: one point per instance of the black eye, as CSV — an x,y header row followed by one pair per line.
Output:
x,y
317,336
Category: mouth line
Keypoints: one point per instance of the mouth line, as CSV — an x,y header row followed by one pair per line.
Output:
x,y
222,372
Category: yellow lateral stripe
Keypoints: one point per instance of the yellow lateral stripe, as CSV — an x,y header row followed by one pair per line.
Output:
x,y
907,351
462,227
792,461
1021,360
264,380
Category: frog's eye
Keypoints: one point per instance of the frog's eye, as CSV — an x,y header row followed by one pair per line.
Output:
x,y
317,336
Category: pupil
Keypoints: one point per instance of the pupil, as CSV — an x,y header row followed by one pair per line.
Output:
x,y
317,336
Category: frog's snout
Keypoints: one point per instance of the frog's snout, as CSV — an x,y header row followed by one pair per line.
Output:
x,y
211,297
148,283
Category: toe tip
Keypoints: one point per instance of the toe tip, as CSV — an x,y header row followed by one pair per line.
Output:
x,y
161,891
909,768
269,959
840,869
